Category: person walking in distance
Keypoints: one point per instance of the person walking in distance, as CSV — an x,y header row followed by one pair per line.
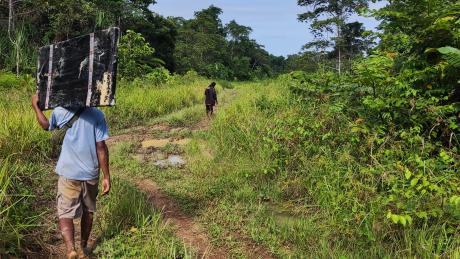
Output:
x,y
84,153
210,99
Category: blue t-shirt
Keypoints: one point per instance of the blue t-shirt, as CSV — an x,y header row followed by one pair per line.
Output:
x,y
78,158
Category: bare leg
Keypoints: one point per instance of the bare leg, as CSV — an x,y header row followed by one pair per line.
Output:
x,y
86,226
67,231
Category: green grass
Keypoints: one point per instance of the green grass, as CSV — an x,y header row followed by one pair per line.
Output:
x,y
27,179
138,105
23,168
285,176
318,205
315,198
7,229
184,117
129,227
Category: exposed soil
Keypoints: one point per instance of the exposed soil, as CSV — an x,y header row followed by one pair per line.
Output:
x,y
155,143
185,227
190,232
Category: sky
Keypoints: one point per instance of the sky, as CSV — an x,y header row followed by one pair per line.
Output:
x,y
274,22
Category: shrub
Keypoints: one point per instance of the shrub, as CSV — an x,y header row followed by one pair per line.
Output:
x,y
157,77
136,56
9,80
226,84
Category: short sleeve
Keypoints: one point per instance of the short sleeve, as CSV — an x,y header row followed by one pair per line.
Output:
x,y
53,121
102,132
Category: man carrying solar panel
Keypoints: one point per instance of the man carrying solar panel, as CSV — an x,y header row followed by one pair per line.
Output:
x,y
74,77
83,154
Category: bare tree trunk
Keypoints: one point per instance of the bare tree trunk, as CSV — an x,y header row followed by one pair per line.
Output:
x,y
10,30
339,52
338,43
17,57
10,18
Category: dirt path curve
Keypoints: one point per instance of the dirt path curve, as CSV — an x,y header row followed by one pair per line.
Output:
x,y
185,227
190,232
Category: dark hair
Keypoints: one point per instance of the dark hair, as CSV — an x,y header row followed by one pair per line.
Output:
x,y
212,84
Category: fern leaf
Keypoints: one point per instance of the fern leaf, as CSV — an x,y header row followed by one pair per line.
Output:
x,y
451,55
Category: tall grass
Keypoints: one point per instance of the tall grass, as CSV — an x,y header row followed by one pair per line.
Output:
x,y
5,205
26,178
23,148
139,102
286,174
130,228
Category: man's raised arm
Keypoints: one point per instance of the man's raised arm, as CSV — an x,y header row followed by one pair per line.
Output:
x,y
41,118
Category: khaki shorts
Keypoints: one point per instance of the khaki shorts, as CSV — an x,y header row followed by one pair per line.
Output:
x,y
75,196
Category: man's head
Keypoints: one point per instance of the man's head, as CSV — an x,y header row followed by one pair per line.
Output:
x,y
213,84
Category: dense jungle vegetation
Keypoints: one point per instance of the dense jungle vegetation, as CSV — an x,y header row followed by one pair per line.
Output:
x,y
348,149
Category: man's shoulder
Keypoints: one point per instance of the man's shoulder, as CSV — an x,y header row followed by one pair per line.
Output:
x,y
93,111
59,114
60,110
96,115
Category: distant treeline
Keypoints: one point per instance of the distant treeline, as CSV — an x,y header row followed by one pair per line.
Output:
x,y
203,43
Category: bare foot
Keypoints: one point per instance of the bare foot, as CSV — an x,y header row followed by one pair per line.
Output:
x,y
72,255
83,253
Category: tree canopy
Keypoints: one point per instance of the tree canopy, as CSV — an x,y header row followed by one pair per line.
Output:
x,y
203,43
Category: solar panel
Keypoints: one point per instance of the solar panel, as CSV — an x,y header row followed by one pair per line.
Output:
x,y
79,72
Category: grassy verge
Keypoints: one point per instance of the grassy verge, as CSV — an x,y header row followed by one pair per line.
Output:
x,y
23,168
26,171
284,175
139,103
128,227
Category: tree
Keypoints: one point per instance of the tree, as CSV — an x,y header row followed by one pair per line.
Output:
x,y
10,17
201,43
236,32
206,46
245,55
16,36
307,61
329,16
356,39
355,42
33,23
416,34
160,33
135,55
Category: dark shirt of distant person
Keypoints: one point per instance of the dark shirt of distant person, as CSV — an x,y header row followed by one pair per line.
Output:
x,y
210,99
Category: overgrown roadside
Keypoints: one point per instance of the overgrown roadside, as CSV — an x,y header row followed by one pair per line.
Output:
x,y
27,181
160,148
